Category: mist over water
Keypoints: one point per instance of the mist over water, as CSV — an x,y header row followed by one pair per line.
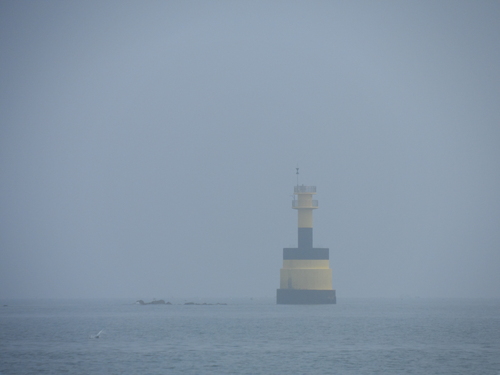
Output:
x,y
148,150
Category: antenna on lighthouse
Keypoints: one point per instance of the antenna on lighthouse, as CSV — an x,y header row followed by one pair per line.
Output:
x,y
297,176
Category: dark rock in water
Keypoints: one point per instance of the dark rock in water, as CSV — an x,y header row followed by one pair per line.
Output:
x,y
154,302
158,302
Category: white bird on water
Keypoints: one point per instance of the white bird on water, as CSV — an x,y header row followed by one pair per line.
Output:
x,y
98,335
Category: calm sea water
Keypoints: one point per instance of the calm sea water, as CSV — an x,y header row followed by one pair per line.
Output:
x,y
356,336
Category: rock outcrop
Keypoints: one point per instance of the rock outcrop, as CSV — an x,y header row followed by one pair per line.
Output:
x,y
153,302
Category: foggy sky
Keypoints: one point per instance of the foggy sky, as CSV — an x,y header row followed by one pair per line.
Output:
x,y
148,149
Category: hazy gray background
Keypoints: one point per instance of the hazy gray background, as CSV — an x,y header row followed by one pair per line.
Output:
x,y
148,149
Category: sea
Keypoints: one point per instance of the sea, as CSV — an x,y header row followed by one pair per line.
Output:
x,y
251,336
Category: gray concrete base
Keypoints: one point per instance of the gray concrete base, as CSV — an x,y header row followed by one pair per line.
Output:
x,y
305,297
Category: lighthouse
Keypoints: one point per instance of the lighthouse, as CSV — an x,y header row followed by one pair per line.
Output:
x,y
306,276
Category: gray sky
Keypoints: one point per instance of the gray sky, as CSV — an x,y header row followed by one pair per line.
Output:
x,y
148,149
